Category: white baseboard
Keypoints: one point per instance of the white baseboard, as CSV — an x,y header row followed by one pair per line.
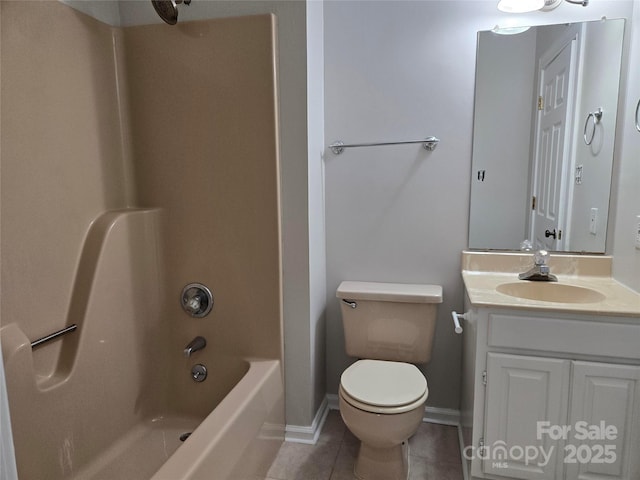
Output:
x,y
309,435
465,465
332,399
304,434
443,416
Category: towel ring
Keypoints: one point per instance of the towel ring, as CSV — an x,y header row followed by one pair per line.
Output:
x,y
595,117
637,116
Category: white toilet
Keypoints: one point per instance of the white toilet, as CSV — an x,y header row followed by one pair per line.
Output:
x,y
389,327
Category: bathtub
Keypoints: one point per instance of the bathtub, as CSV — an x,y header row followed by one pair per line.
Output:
x,y
242,435
237,440
115,400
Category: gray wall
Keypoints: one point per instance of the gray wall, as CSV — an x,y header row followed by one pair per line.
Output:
x,y
403,70
398,214
626,258
599,88
505,79
317,247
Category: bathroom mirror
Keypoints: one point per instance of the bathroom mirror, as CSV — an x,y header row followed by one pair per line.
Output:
x,y
544,132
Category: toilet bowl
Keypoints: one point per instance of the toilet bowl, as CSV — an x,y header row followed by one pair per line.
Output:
x,y
382,404
389,327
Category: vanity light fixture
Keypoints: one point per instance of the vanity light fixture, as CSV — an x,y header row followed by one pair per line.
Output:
x,y
551,4
520,6
509,30
524,6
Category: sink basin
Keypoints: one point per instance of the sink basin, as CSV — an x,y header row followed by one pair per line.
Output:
x,y
550,292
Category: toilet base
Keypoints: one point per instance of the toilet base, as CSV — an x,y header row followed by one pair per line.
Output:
x,y
382,463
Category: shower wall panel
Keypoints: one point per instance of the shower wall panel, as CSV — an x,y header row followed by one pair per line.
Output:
x,y
203,118
96,123
62,158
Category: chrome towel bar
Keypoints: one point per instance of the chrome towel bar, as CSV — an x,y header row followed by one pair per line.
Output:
x,y
53,336
429,143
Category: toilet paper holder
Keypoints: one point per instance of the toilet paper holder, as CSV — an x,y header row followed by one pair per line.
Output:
x,y
456,320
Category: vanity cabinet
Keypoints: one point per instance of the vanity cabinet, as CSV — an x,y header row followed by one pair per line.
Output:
x,y
549,395
520,391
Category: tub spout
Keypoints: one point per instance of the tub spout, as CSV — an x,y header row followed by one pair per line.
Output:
x,y
196,344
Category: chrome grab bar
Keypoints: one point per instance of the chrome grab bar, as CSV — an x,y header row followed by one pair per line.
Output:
x,y
429,143
637,117
53,336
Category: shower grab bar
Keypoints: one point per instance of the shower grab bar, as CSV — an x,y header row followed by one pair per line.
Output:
x,y
429,143
638,117
53,335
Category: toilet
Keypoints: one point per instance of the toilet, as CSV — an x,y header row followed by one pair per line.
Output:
x,y
389,327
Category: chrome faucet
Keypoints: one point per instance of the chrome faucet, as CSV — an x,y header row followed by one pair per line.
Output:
x,y
540,270
196,344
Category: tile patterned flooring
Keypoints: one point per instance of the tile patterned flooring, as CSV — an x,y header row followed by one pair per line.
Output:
x,y
434,454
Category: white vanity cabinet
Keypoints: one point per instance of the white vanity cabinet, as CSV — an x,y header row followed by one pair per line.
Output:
x,y
609,393
550,395
520,391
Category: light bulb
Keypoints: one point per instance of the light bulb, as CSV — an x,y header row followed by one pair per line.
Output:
x,y
509,30
520,6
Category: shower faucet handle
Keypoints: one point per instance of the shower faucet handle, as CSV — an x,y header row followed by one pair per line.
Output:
x,y
193,304
196,299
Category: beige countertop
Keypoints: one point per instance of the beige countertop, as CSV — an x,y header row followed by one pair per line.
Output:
x,y
483,272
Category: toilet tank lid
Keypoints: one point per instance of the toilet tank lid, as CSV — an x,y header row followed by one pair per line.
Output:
x,y
390,292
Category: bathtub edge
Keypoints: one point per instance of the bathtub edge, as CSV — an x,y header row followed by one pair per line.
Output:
x,y
250,415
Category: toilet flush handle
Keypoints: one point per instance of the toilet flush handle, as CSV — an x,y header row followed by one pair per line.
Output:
x,y
351,303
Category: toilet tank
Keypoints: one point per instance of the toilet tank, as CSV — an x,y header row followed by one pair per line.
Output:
x,y
389,321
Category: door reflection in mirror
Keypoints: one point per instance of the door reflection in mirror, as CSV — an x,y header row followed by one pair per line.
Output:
x,y
534,91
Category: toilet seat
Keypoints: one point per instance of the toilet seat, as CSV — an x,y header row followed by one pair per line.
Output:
x,y
381,386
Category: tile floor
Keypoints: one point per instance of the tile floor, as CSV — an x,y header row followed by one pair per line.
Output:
x,y
434,454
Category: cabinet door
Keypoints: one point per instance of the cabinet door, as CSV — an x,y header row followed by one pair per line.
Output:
x,y
606,401
521,392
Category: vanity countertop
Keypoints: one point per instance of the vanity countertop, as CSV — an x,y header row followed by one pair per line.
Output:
x,y
484,272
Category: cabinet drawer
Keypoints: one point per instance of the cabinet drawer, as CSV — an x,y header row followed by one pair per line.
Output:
x,y
564,335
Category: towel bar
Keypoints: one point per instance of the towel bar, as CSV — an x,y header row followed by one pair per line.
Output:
x,y
429,143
